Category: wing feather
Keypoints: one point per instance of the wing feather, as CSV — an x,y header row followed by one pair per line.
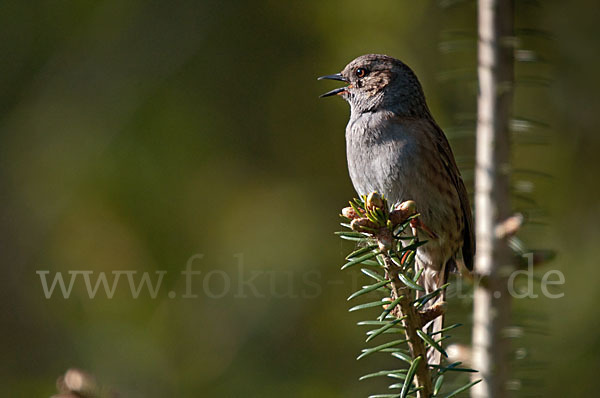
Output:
x,y
468,249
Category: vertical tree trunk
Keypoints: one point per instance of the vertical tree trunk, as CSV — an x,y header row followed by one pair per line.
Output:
x,y
492,204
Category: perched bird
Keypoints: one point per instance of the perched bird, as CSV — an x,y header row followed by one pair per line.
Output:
x,y
395,147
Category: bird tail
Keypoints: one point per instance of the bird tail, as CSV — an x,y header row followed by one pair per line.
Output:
x,y
432,280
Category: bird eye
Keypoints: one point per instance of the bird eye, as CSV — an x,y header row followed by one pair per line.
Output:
x,y
361,72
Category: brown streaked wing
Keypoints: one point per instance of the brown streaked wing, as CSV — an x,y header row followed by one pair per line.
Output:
x,y
449,162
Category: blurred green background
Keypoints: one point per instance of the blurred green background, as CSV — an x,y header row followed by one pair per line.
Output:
x,y
136,134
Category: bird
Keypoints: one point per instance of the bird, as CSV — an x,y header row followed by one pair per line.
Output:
x,y
395,147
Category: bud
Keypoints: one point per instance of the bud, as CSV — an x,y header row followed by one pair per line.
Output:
x,y
375,201
350,213
402,211
408,206
363,225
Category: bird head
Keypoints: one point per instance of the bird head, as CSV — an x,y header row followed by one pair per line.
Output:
x,y
379,82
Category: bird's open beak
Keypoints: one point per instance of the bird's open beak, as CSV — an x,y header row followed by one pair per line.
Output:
x,y
337,76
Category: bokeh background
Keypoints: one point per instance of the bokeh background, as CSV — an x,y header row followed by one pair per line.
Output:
x,y
136,134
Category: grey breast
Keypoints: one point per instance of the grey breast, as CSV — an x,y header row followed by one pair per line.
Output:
x,y
381,155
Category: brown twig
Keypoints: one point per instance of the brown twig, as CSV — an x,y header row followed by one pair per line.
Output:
x,y
411,323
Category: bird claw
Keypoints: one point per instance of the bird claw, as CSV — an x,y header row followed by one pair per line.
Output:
x,y
416,223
